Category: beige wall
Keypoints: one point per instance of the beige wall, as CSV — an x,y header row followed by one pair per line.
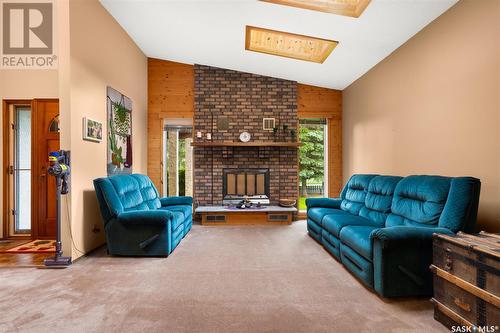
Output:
x,y
101,55
25,84
433,106
28,84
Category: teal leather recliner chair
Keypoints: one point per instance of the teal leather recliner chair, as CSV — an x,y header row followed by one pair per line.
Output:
x,y
137,222
381,227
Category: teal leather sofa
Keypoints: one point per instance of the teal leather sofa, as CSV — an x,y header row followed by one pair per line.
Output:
x,y
137,222
381,226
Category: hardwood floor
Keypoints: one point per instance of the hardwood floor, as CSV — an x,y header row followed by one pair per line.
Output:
x,y
20,259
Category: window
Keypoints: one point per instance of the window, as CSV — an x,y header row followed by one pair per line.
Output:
x,y
54,125
22,170
178,160
312,160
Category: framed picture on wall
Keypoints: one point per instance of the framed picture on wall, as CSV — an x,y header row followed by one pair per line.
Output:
x,y
119,113
92,130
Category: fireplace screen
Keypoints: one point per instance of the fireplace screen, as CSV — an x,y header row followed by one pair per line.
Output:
x,y
250,183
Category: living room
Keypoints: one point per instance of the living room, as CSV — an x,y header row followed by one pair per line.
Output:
x,y
283,165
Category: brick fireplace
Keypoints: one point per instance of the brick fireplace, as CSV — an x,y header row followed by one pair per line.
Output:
x,y
228,102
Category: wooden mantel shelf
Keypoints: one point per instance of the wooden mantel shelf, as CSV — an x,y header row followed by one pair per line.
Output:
x,y
245,144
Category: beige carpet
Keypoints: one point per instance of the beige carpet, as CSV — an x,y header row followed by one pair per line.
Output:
x,y
220,279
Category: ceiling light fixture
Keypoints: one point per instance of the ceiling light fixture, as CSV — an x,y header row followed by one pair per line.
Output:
x,y
352,8
288,45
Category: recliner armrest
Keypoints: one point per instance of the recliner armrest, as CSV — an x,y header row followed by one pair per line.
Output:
x,y
401,259
170,201
404,235
145,217
323,202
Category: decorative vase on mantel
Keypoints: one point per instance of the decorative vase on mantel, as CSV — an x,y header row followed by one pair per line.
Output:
x,y
285,132
275,133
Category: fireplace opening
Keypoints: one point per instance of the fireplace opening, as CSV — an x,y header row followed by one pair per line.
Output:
x,y
250,183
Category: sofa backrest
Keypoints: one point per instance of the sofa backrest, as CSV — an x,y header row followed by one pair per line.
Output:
x,y
354,193
430,201
379,198
460,211
123,193
419,201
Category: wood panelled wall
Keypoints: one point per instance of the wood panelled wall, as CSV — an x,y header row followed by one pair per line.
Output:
x,y
316,102
170,95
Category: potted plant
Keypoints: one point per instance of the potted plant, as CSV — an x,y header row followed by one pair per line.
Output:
x,y
285,132
119,125
275,132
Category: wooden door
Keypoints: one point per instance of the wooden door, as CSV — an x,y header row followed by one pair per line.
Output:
x,y
45,140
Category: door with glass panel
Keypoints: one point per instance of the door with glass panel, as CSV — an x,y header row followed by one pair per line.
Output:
x,y
19,170
31,131
313,175
178,157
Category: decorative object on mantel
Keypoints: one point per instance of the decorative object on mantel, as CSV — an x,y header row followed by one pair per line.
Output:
x,y
293,133
223,123
245,137
287,202
119,112
285,132
209,136
275,132
268,124
92,130
198,134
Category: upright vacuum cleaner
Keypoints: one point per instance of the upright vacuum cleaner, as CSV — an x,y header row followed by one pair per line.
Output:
x,y
59,168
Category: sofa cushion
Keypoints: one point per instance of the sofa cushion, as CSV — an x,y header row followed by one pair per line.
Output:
x,y
148,191
314,229
109,202
379,197
331,243
358,265
334,223
129,194
358,239
187,211
354,193
318,213
460,211
419,201
177,220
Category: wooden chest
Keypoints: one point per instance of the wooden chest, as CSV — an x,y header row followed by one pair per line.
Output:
x,y
467,280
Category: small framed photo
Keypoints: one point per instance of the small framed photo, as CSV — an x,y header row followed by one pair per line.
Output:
x,y
92,130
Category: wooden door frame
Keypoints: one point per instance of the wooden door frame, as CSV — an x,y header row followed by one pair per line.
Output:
x,y
37,207
5,166
35,165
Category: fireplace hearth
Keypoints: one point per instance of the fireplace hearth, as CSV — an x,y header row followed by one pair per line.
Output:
x,y
251,184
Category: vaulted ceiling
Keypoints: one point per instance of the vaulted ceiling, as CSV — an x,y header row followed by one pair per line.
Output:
x,y
213,33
